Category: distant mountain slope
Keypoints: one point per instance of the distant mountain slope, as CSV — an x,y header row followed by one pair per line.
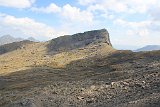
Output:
x,y
31,39
10,39
149,48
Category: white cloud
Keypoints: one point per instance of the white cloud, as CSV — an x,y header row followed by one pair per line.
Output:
x,y
67,12
139,33
26,27
86,2
135,25
74,14
134,28
52,8
155,13
114,5
17,3
119,6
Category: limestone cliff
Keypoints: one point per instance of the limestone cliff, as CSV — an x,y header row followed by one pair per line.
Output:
x,y
69,42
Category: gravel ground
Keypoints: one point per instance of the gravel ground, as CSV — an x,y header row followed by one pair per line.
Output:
x,y
120,80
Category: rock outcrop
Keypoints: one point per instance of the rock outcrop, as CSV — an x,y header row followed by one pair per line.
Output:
x,y
69,42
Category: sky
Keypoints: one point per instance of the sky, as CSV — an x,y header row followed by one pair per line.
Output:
x,y
131,23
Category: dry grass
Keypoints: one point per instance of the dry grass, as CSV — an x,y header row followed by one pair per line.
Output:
x,y
95,74
35,54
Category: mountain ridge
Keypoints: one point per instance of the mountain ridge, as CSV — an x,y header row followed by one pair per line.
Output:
x,y
6,39
149,48
69,42
61,51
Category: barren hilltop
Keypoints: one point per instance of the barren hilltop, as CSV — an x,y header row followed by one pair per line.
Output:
x,y
80,70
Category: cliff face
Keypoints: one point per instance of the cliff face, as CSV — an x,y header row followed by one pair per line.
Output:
x,y
79,40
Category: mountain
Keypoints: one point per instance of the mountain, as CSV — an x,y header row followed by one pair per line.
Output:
x,y
9,39
79,70
79,40
31,39
149,48
63,49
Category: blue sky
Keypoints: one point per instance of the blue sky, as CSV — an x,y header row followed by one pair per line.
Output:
x,y
131,23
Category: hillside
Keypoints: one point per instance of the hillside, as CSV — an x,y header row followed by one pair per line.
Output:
x,y
149,48
80,70
52,53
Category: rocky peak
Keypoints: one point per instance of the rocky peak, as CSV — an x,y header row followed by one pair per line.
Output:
x,y
31,39
8,39
69,42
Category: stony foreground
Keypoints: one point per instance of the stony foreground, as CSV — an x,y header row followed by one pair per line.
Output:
x,y
122,79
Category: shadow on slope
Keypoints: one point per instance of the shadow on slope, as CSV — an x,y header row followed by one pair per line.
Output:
x,y
20,84
118,66
129,77
13,46
138,71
